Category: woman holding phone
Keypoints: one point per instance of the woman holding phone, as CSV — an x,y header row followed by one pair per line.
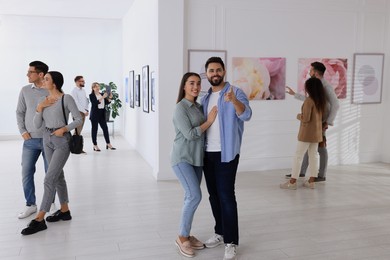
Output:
x,y
98,115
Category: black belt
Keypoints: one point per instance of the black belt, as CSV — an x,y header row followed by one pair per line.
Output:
x,y
52,129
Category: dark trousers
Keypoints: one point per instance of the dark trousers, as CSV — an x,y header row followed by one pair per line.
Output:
x,y
101,120
220,180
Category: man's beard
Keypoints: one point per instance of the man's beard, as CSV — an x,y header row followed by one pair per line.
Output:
x,y
215,81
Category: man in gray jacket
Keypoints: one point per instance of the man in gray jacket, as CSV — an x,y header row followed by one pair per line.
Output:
x,y
32,145
317,70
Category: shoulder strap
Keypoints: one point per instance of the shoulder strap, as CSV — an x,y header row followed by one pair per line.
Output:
x,y
63,112
63,109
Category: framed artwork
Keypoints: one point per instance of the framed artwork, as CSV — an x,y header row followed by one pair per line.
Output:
x,y
153,91
137,98
260,78
196,61
131,88
367,78
335,74
127,89
145,88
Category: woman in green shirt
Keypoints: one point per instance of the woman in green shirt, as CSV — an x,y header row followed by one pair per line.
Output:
x,y
187,155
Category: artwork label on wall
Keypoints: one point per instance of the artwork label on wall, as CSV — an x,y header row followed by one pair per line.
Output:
x,y
260,78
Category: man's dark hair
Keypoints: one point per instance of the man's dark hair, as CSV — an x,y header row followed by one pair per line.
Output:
x,y
39,66
215,60
77,78
319,67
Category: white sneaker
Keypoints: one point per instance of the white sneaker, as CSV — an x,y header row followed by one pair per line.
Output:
x,y
28,210
230,252
53,208
214,241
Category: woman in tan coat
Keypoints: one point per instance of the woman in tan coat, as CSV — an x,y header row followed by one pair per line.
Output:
x,y
310,133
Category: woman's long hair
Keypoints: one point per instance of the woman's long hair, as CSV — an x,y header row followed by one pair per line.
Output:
x,y
93,84
316,91
182,93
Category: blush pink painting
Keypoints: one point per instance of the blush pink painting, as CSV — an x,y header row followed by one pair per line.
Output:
x,y
335,74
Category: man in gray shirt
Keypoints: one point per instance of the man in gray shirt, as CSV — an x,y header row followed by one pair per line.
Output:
x,y
32,145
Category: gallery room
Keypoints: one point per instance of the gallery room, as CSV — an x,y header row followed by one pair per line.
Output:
x,y
126,203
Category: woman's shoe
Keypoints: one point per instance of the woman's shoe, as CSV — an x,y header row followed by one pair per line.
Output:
x,y
110,147
96,148
185,248
195,243
59,215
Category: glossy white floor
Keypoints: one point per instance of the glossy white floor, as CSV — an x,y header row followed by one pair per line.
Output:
x,y
120,212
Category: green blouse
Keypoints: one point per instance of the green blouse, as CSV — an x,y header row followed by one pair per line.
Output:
x,y
188,145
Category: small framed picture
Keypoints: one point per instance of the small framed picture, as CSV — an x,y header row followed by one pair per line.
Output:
x,y
131,88
137,93
367,78
145,88
153,91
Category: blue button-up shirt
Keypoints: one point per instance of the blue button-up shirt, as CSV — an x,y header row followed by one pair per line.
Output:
x,y
231,125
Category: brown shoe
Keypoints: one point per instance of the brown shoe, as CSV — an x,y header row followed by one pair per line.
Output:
x,y
185,248
195,243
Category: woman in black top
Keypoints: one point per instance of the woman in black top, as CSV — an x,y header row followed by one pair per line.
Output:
x,y
98,115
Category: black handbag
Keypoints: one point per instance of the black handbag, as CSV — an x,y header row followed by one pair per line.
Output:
x,y
76,141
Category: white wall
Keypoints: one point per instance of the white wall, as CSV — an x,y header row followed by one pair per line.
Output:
x,y
270,28
158,34
386,95
140,48
297,29
73,46
153,35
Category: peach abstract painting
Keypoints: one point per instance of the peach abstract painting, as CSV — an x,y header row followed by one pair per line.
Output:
x,y
260,78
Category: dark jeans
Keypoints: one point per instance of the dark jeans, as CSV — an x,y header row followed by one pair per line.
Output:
x,y
220,179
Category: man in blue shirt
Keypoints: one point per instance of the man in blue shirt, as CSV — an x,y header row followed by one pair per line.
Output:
x,y
223,143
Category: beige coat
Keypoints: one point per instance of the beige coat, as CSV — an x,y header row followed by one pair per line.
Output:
x,y
310,129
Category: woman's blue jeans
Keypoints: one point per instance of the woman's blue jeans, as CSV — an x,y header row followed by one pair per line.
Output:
x,y
190,178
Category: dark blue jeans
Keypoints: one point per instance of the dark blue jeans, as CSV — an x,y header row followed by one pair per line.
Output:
x,y
220,180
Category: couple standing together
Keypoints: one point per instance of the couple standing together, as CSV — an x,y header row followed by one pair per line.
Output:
x,y
208,137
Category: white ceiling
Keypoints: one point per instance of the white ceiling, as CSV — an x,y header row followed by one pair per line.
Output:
x,y
112,9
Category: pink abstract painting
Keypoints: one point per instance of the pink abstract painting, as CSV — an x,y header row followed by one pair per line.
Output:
x,y
335,74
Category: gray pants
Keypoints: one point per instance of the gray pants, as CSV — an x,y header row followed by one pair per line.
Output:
x,y
323,152
57,153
